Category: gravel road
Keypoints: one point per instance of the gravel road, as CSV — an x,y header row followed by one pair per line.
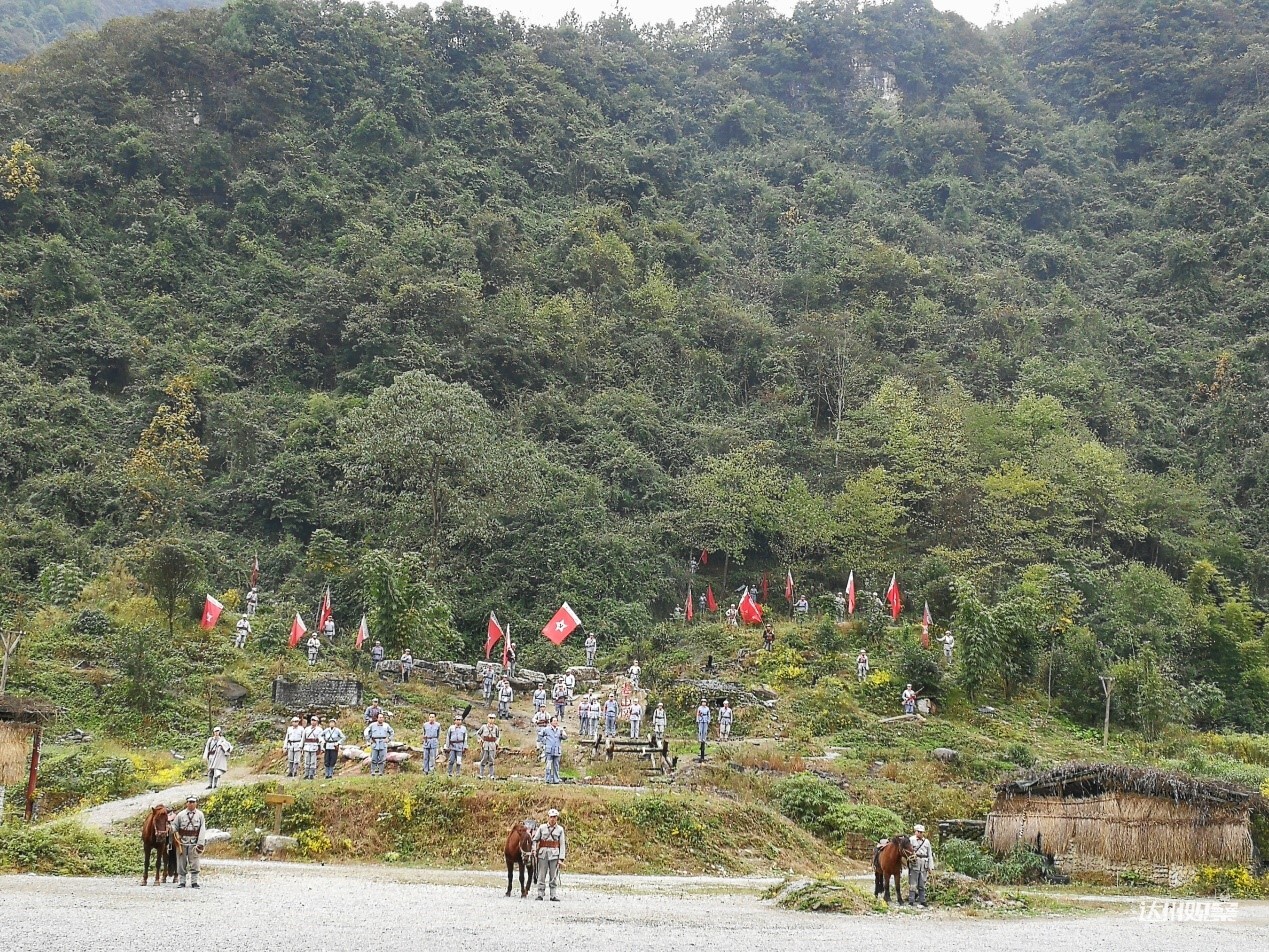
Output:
x,y
105,815
261,907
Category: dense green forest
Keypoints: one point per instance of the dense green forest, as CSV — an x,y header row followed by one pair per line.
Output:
x,y
30,25
453,314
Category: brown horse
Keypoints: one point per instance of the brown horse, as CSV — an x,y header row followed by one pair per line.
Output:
x,y
519,849
887,863
158,836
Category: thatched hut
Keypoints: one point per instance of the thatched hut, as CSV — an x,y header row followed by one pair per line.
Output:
x,y
1100,821
20,717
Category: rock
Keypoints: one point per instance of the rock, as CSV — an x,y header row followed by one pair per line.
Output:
x,y
397,757
989,711
275,845
945,754
351,752
76,736
233,692
218,836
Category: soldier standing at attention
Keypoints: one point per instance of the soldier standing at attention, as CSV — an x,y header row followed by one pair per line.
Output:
x,y
592,646
294,746
560,696
372,711
431,742
724,721
505,695
378,732
553,749
456,746
610,716
253,602
550,846
861,664
636,717
539,698
909,697
570,684
312,743
216,753
242,631
658,723
919,866
634,673
314,646
377,654
487,685
407,666
191,826
948,641
702,726
488,737
332,739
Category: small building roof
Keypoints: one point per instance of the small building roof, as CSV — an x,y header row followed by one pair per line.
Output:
x,y
1081,781
26,710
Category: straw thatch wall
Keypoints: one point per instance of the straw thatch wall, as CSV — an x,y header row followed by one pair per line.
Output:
x,y
1118,828
15,748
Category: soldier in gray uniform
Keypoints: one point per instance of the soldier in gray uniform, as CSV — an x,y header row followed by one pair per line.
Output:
x,y
332,739
456,745
725,718
702,726
550,846
294,747
553,749
191,826
242,631
378,732
636,717
312,743
658,723
487,685
611,709
488,737
431,742
592,646
216,753
919,866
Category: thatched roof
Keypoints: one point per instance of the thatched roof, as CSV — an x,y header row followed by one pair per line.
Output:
x,y
26,710
1081,781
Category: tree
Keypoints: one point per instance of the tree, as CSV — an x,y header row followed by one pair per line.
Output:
x,y
167,465
405,612
170,570
982,649
145,670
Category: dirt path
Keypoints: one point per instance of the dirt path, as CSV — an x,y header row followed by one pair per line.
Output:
x,y
266,907
105,815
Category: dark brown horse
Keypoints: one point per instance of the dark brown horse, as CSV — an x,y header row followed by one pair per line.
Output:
x,y
519,849
887,863
159,836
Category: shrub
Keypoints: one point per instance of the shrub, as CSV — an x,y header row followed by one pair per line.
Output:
x,y
807,801
968,857
1230,881
920,668
1020,865
864,820
66,848
92,623
1020,754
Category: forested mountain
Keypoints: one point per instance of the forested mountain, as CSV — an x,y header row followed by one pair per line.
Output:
x,y
456,313
30,25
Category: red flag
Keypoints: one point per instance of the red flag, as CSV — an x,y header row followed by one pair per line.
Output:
x,y
324,614
561,625
689,611
704,556
255,571
765,580
749,610
710,603
363,632
788,586
850,593
211,613
894,598
495,634
298,630
925,627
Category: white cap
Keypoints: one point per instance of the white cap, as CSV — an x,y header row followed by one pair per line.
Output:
x,y
553,813
918,828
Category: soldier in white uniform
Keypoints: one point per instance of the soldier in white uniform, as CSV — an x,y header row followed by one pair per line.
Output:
x,y
592,646
948,642
328,630
551,847
314,646
909,697
570,684
636,718
216,753
920,866
311,744
407,666
242,631
634,673
861,664
539,698
191,826
505,696
253,602
488,737
658,723
725,717
294,747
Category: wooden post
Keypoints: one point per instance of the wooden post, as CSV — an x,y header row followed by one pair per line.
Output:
x,y
9,641
1108,684
35,768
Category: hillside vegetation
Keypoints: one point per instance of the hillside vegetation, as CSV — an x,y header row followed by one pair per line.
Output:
x,y
454,314
27,26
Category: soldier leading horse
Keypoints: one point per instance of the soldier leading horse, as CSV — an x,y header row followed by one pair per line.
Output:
x,y
519,849
158,837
